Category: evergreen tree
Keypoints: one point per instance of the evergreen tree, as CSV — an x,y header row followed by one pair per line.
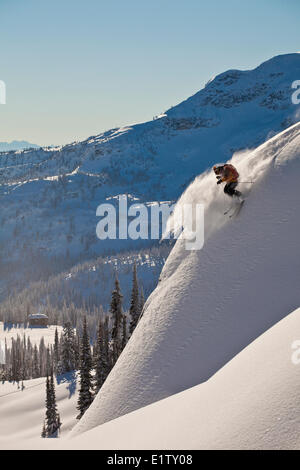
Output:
x,y
124,332
116,313
107,359
98,358
44,434
134,304
77,350
102,362
52,416
56,351
54,406
42,357
68,353
36,368
48,406
141,302
85,391
48,361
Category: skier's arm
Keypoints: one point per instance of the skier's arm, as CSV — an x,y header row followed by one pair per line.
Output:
x,y
220,179
225,175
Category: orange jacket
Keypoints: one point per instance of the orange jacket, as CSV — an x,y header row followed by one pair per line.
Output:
x,y
229,174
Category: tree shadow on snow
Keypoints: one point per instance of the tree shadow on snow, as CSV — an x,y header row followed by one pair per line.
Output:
x,y
70,379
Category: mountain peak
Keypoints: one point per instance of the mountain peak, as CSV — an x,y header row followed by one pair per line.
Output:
x,y
268,85
282,60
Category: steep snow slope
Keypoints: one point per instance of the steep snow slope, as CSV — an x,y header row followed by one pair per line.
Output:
x,y
22,412
251,403
49,196
212,303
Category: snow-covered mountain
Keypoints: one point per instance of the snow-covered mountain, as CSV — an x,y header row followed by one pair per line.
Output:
x,y
16,145
87,285
212,303
237,109
49,196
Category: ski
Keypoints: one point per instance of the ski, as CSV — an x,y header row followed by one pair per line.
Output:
x,y
227,210
237,211
232,208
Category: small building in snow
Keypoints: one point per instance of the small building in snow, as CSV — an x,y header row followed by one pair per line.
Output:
x,y
38,319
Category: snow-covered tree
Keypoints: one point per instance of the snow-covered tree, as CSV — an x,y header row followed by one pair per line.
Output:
x,y
106,346
48,361
116,313
36,366
44,433
42,357
85,392
68,353
134,303
56,351
52,423
124,332
141,301
98,360
101,360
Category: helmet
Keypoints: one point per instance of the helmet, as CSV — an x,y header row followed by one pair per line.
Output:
x,y
218,168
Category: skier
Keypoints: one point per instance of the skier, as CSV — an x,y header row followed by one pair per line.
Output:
x,y
228,174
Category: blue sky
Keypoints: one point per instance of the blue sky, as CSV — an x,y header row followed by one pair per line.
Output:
x,y
75,68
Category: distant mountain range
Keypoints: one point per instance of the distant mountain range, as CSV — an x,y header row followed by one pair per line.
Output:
x,y
16,145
